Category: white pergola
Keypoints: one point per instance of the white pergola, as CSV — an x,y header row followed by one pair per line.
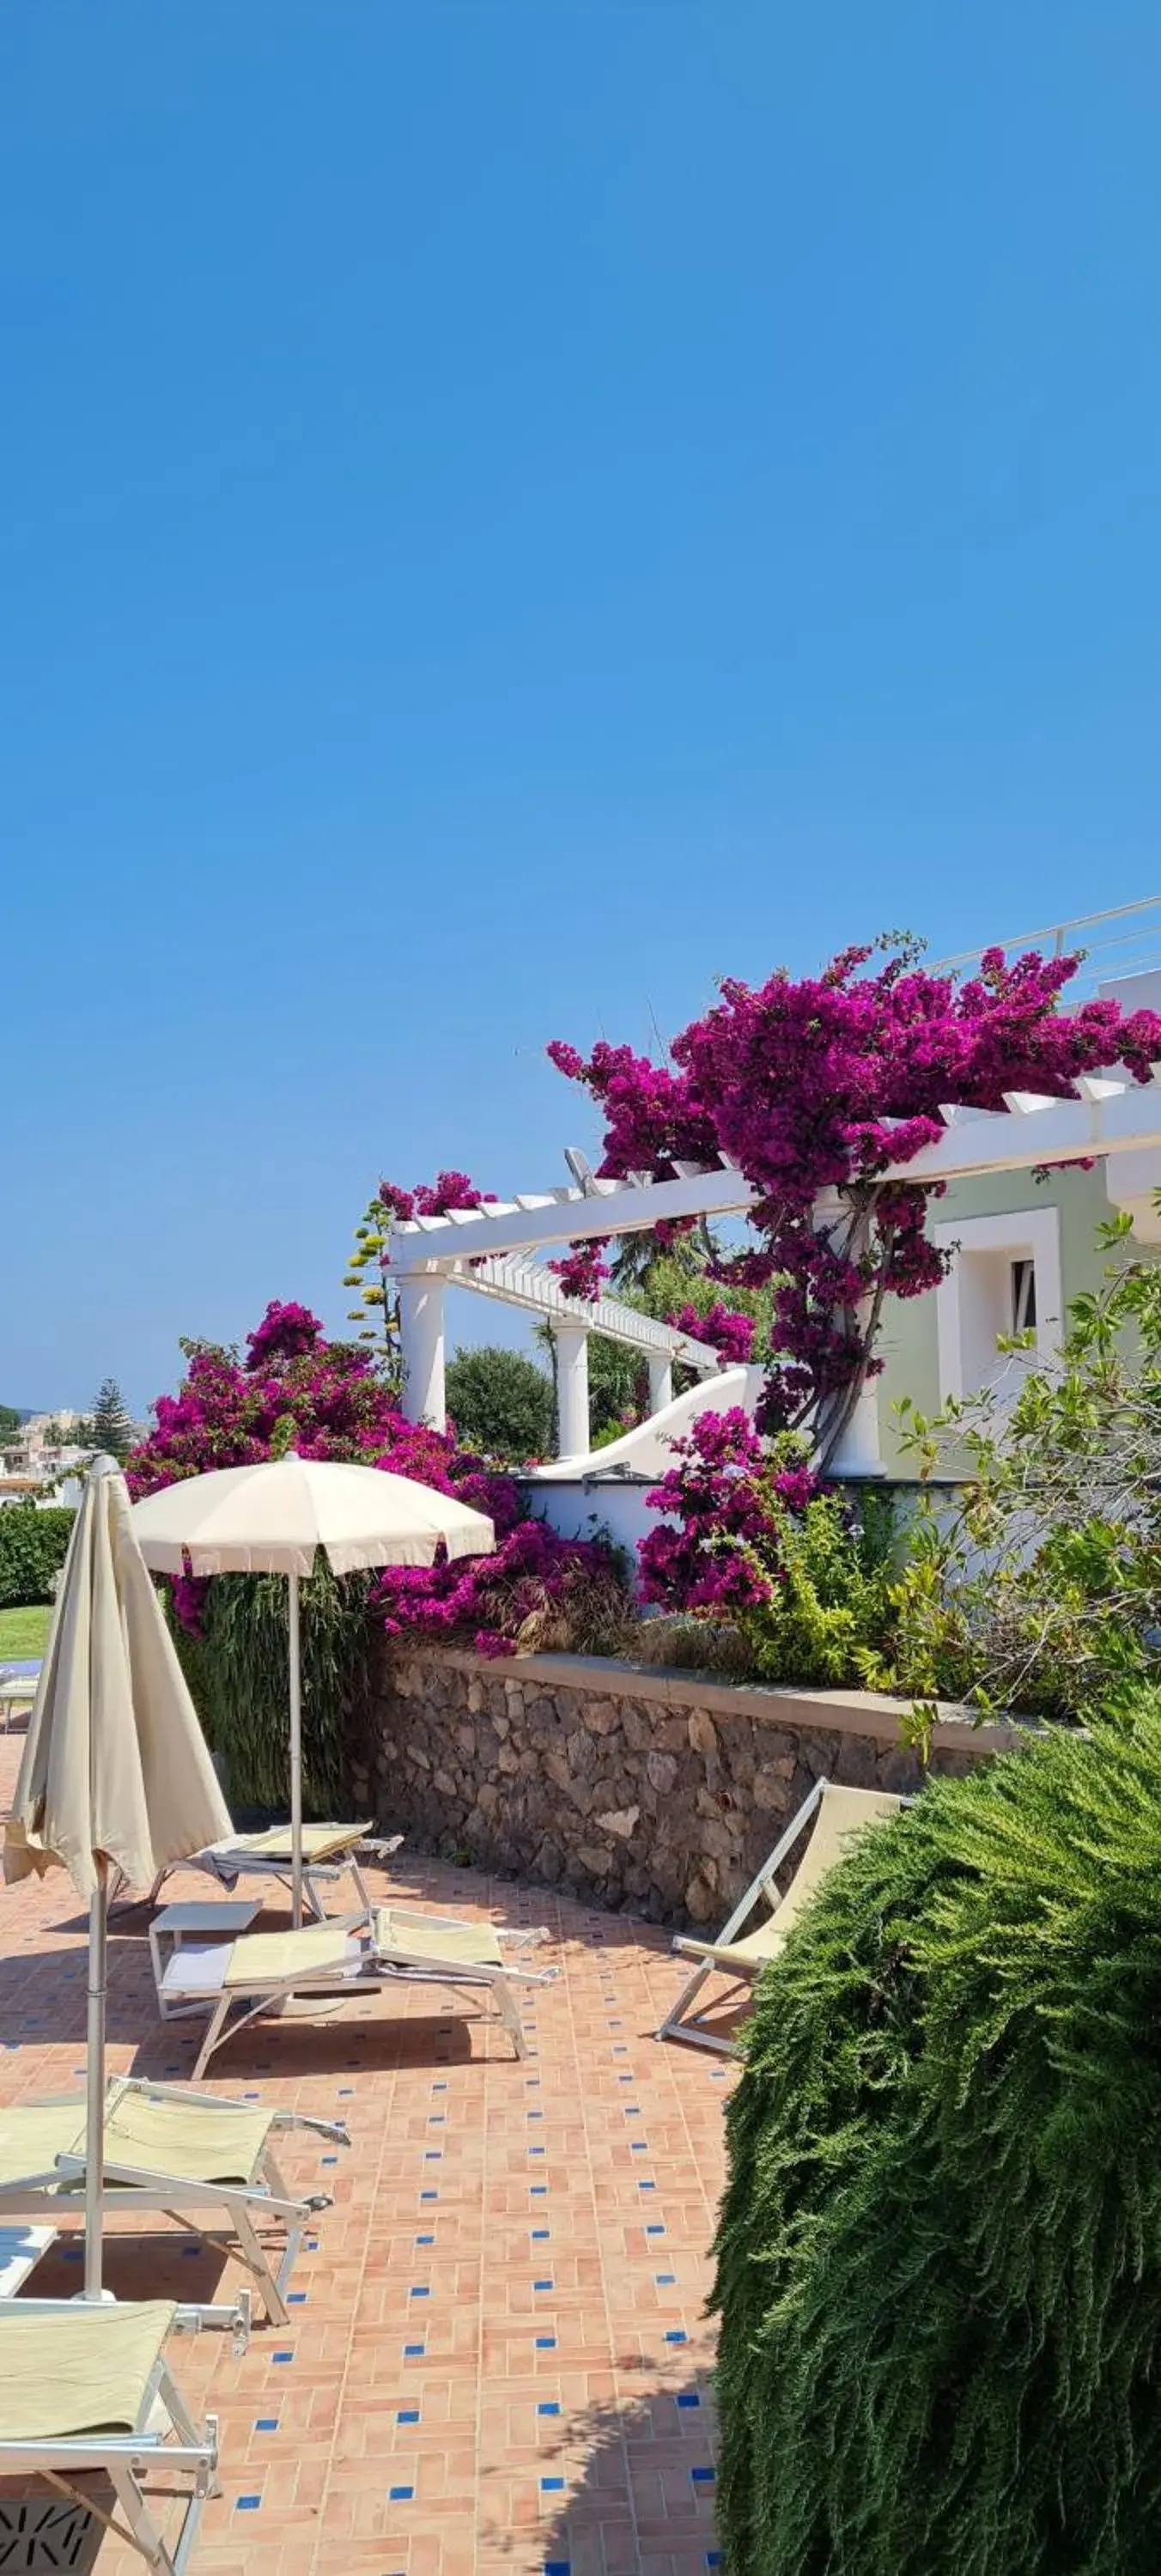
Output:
x,y
489,1249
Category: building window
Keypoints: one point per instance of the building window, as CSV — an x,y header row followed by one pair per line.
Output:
x,y
1023,1294
1004,1278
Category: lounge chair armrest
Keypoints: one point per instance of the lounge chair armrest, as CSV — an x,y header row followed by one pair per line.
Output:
x,y
335,2132
691,1949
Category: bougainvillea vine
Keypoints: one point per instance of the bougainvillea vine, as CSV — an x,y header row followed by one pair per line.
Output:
x,y
815,1089
329,1400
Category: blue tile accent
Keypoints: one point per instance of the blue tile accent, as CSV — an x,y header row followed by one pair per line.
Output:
x,y
425,2240
408,2415
249,2504
557,2567
420,2291
546,2343
413,2352
266,2424
429,2195
687,2398
282,2356
551,2486
538,2151
548,2407
540,2235
537,2190
713,2558
345,2090
676,2334
638,2146
400,2495
330,2160
655,2229
534,2115
542,2285
702,2477
665,2280
437,2119
646,2186
433,2155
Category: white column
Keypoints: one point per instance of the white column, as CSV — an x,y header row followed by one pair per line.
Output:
x,y
573,1438
660,1380
421,1344
858,1452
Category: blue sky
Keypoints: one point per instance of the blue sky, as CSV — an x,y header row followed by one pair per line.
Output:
x,y
512,510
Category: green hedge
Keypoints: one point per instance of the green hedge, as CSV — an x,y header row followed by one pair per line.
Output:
x,y
33,1547
939,2254
238,1673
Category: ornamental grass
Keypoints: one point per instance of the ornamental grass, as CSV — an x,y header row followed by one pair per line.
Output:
x,y
939,2251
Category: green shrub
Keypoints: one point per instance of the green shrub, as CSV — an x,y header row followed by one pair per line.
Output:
x,y
33,1547
501,1404
939,2254
831,1606
238,1673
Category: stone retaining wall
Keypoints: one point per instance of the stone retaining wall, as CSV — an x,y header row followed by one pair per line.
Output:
x,y
658,1791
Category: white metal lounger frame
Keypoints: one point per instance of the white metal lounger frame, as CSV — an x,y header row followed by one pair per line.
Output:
x,y
240,2207
226,1867
378,1972
676,2024
121,2457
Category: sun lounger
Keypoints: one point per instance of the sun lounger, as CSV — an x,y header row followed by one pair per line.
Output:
x,y
263,1970
87,2389
838,1815
208,2163
329,1852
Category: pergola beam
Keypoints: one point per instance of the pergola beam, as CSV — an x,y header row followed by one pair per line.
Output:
x,y
1110,1115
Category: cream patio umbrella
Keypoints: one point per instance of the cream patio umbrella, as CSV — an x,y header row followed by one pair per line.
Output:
x,y
116,1771
272,1519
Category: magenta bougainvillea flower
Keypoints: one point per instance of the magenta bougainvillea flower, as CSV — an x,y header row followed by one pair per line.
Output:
x,y
328,1400
730,1334
820,1086
583,1269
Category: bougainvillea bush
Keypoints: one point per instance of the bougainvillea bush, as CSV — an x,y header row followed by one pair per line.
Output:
x,y
819,1086
295,1389
803,1571
939,2252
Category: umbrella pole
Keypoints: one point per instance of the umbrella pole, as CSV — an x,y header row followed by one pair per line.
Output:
x,y
95,2077
295,1756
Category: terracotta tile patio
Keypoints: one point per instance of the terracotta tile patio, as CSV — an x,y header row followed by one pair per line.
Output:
x,y
498,2364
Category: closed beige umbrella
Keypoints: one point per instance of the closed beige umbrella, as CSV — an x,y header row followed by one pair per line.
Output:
x,y
273,1517
116,1771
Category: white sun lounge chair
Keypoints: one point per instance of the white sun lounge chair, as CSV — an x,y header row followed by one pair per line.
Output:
x,y
261,1971
207,2163
838,1815
329,1852
86,2389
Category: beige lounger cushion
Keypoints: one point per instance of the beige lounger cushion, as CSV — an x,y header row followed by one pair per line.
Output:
x,y
34,2134
262,1958
462,1945
319,1842
746,1955
842,1815
81,2372
187,2141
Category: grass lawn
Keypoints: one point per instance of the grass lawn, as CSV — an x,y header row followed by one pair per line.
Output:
x,y
24,1632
